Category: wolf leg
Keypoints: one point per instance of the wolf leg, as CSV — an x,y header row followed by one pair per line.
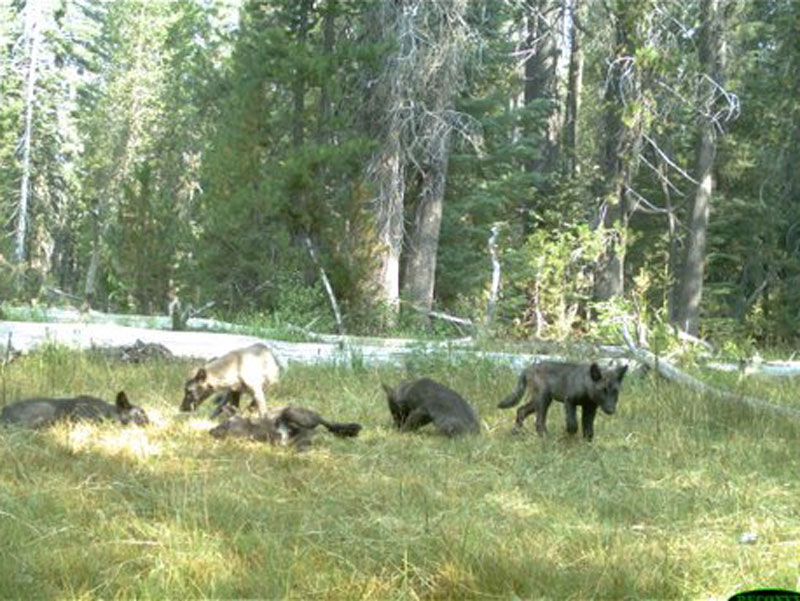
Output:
x,y
524,411
261,401
541,414
572,417
587,421
416,419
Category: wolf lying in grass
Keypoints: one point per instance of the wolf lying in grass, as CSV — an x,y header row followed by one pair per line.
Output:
x,y
252,370
419,402
576,385
292,426
41,412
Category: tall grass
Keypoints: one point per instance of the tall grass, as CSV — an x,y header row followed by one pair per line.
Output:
x,y
653,509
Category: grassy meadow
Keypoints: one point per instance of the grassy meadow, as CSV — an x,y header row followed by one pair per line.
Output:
x,y
654,508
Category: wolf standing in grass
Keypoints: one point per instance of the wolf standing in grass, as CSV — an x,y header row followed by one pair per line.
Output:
x,y
576,385
252,369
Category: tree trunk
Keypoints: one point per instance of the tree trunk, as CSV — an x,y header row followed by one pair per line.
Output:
x,y
691,280
388,174
90,289
574,87
540,79
32,37
621,151
438,77
383,114
424,240
299,84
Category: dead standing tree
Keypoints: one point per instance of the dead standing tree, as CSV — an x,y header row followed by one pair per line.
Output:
x,y
715,106
413,105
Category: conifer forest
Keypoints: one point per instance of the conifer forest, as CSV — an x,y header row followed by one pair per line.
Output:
x,y
537,167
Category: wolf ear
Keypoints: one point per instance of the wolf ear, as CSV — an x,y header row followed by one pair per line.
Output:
x,y
621,372
595,373
201,375
123,404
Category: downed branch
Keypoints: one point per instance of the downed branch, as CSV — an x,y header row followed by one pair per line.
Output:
x,y
494,291
669,371
328,288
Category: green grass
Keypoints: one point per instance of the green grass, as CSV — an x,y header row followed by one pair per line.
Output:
x,y
652,509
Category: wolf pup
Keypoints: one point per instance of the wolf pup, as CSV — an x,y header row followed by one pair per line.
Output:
x,y
419,402
292,426
587,386
41,412
252,370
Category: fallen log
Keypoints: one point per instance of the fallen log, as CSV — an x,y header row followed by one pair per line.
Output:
x,y
27,336
670,372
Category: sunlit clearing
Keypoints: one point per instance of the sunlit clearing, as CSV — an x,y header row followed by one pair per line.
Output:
x,y
514,502
130,442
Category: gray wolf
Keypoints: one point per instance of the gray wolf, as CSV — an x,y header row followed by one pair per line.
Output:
x,y
417,403
41,412
575,385
291,426
252,369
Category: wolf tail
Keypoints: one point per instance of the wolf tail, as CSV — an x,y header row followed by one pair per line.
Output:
x,y
515,396
344,430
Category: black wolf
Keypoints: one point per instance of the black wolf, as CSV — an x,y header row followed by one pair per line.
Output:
x,y
252,369
40,412
419,402
576,385
292,426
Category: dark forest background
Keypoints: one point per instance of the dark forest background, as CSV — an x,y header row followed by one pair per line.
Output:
x,y
612,158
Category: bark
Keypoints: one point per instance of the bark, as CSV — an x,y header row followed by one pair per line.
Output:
x,y
32,40
424,240
438,78
415,97
540,80
574,88
388,175
622,145
690,294
386,171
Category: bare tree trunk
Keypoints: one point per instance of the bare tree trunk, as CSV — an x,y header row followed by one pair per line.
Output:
x,y
438,78
388,173
574,87
424,240
32,38
386,103
691,281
